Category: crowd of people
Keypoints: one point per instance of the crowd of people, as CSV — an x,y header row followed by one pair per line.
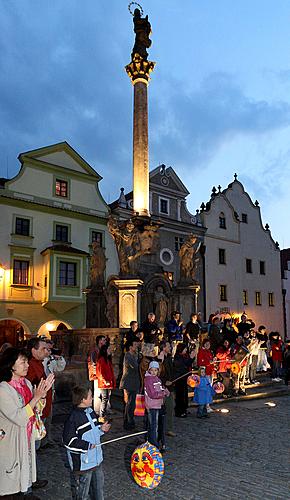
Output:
x,y
155,366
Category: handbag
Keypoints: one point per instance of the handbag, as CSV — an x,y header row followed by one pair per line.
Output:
x,y
140,405
39,430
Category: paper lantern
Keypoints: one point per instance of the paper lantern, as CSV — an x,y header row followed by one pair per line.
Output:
x,y
140,405
147,466
218,387
193,380
235,368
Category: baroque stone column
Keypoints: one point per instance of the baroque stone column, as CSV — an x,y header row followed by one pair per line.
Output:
x,y
139,70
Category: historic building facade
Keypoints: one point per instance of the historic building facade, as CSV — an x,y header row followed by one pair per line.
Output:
x,y
285,270
51,213
160,272
242,261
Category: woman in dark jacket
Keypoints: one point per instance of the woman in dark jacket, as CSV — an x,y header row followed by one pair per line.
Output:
x,y
182,365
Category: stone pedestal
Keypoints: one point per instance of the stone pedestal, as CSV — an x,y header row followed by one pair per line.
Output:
x,y
129,300
138,71
96,308
186,299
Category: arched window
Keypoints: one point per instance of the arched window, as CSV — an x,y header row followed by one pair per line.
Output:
x,y
222,221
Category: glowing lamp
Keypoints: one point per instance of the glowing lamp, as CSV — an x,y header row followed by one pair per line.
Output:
x,y
224,410
147,466
235,368
270,404
2,271
193,380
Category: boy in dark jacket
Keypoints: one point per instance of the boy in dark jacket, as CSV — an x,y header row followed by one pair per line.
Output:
x,y
81,437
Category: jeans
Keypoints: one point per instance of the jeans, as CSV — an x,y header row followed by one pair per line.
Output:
x,y
97,398
156,420
105,397
130,403
88,485
201,411
277,369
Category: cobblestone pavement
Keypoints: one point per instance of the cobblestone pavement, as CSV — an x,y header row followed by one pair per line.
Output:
x,y
243,454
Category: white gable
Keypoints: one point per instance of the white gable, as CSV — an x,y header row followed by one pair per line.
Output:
x,y
62,159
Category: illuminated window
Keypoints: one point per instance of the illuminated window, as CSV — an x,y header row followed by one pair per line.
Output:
x,y
262,267
248,265
22,226
245,297
222,221
20,272
223,293
178,242
61,188
222,256
271,299
258,298
67,274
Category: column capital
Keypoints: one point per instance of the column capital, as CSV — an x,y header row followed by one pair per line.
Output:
x,y
139,69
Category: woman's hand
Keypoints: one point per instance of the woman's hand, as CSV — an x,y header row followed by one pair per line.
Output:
x,y
40,391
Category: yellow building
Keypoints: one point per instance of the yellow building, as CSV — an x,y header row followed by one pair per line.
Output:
x,y
51,212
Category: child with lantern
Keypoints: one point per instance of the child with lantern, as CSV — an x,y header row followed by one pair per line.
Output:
x,y
203,393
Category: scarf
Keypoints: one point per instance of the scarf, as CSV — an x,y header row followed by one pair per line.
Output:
x,y
26,395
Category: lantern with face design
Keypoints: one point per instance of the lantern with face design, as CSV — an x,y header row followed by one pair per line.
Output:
x,y
147,466
218,387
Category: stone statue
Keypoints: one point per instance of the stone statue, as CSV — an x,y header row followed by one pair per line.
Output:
x,y
188,259
132,243
142,29
97,265
161,301
125,240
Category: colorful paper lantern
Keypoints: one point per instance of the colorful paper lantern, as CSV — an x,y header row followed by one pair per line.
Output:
x,y
235,368
147,466
218,387
140,405
193,380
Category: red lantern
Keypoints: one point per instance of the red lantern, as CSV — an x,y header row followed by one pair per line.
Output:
x,y
193,380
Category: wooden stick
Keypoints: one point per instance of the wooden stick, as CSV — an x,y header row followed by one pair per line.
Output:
x,y
181,376
122,437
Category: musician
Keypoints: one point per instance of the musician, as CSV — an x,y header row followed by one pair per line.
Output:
x,y
151,330
215,335
239,353
245,324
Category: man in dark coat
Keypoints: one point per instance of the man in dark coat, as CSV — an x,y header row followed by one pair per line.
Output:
x,y
130,383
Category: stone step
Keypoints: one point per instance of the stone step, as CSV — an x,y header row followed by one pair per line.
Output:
x,y
266,390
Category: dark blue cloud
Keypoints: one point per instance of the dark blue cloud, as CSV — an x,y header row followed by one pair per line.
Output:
x,y
62,78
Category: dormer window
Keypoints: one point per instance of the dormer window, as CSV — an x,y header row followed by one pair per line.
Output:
x,y
61,188
245,218
222,221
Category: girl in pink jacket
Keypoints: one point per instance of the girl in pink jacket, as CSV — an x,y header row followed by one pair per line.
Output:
x,y
154,399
